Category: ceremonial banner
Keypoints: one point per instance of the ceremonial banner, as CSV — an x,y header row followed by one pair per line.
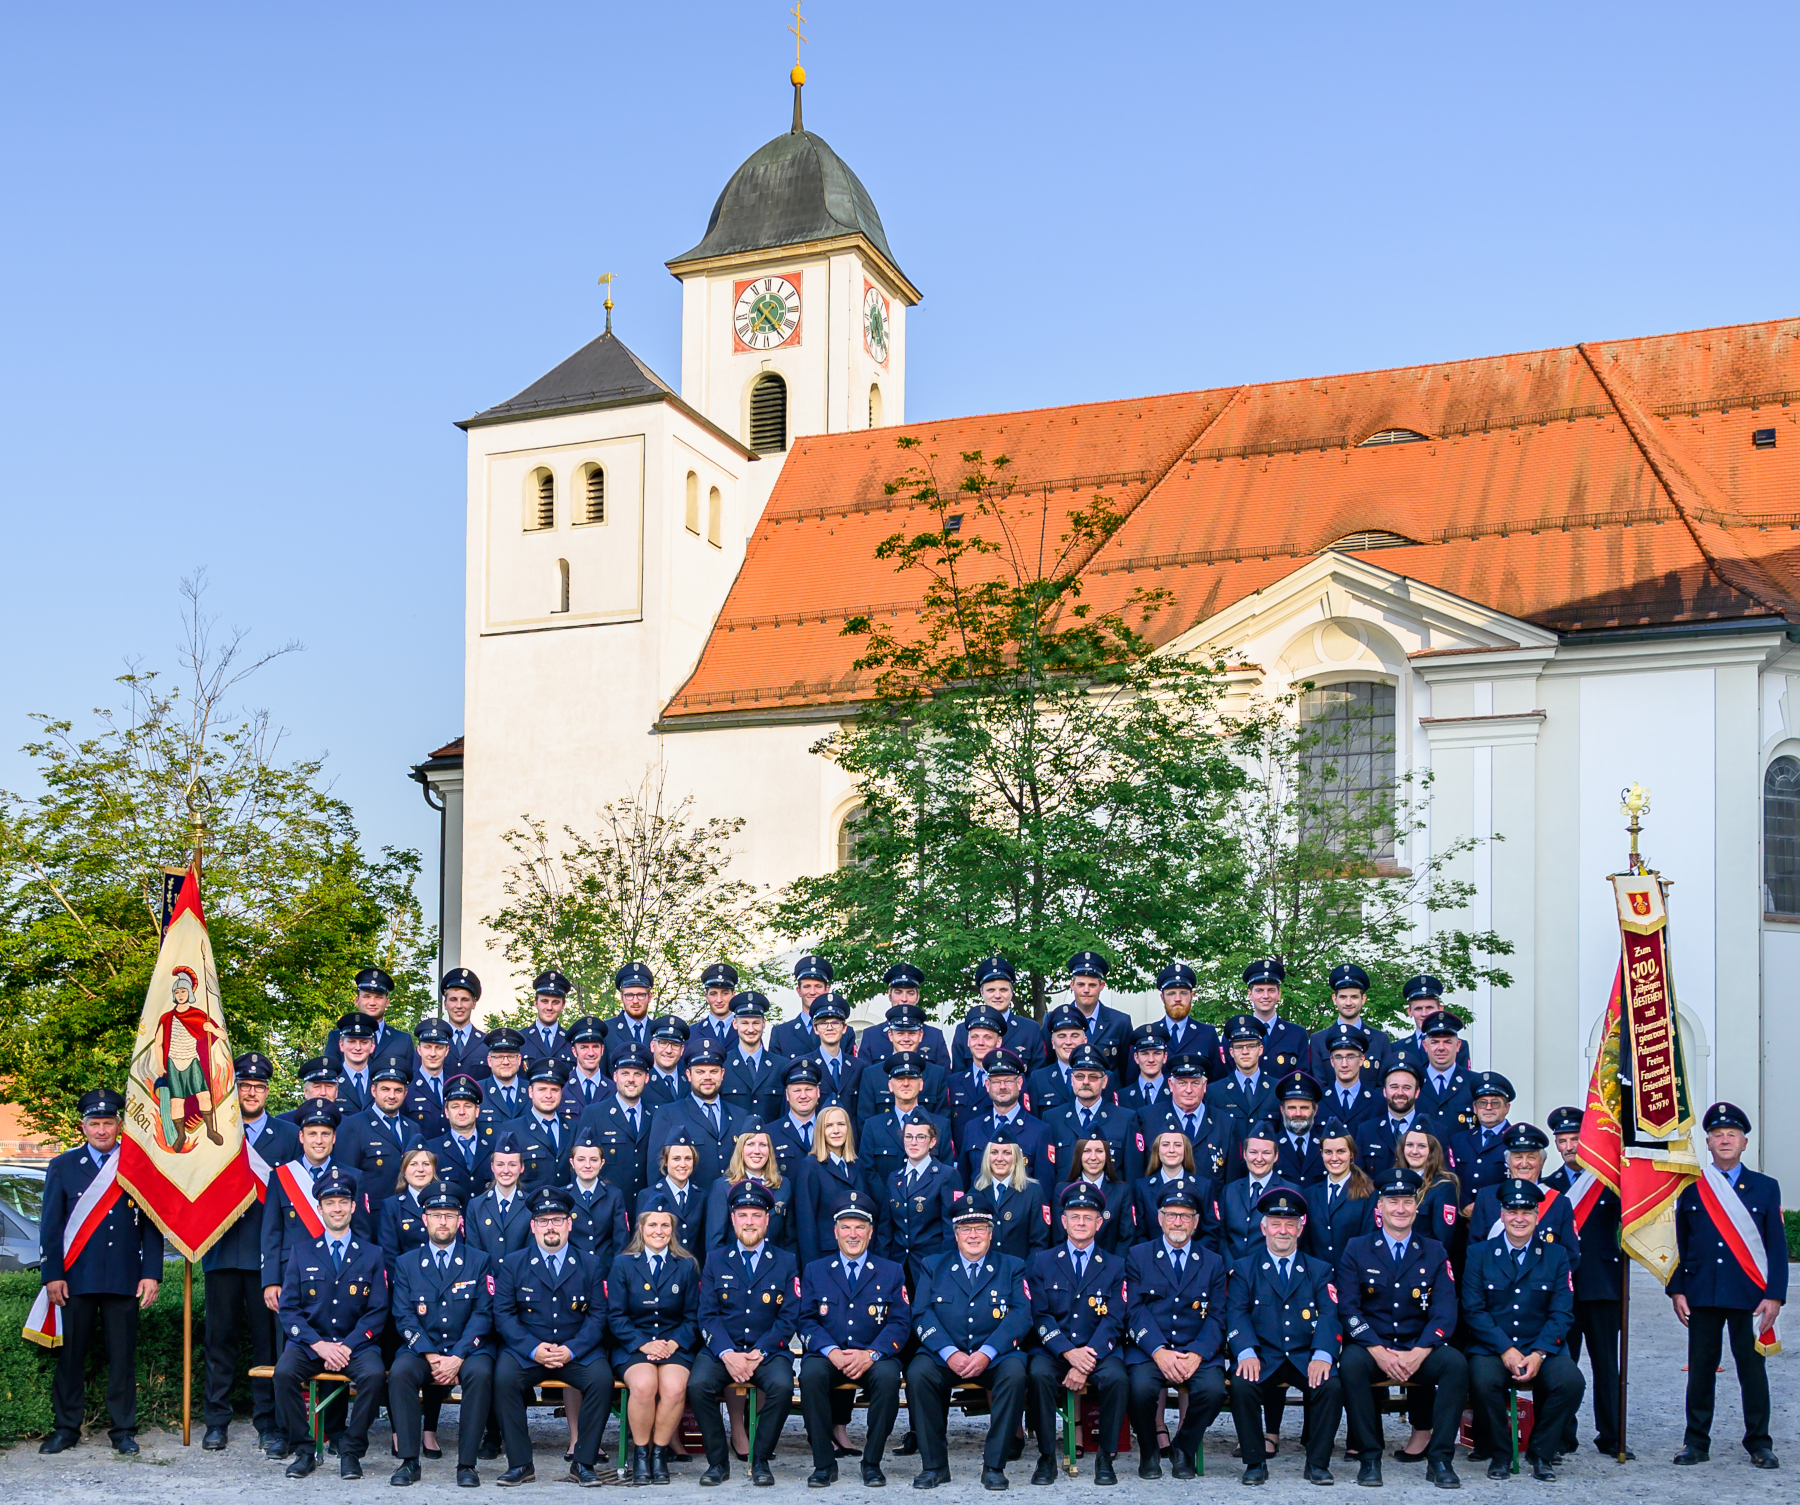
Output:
x,y
1652,1037
182,1154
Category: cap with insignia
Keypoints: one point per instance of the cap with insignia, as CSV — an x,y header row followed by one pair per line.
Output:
x,y
252,1066
751,1194
464,1087
461,977
720,975
588,1139
681,1137
707,1053
984,1017
1079,1194
632,975
1491,1084
317,1111
508,1144
1565,1120
317,1069
336,1182
803,1071
1264,1128
1087,964
995,969
667,1027
587,1030
1065,1016
903,975
905,1016
357,1025
1725,1116
391,1071
551,1202
1407,1061
1265,969
440,1197
547,1070
1185,1066
971,1215
829,1006
1443,1022
632,1056
814,967
1298,1085
1422,986
503,1040
908,1063
1349,975
1004,1062
1175,975
656,1199
551,982
1523,1138
751,1005
1517,1193
102,1102
434,1031
854,1210
1281,1202
1244,1027
1178,1195
1347,1036
1082,1058
1149,1037
1398,1181
373,980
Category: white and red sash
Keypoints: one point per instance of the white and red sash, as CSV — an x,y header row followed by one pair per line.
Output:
x,y
44,1324
259,1168
300,1194
1585,1192
1550,1195
1742,1237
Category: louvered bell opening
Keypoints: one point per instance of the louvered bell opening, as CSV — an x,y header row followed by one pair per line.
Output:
x,y
1374,538
546,507
1393,436
596,496
768,415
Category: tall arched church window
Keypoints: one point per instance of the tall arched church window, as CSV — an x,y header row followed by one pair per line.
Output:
x,y
693,504
874,405
1781,838
715,517
540,500
848,830
1347,767
768,414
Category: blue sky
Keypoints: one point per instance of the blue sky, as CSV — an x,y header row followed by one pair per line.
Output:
x,y
258,258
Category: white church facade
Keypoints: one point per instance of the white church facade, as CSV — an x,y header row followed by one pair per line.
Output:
x,y
1558,572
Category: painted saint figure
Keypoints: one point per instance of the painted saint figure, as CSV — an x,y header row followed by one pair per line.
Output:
x,y
187,1037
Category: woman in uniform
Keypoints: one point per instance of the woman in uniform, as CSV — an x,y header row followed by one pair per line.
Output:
x,y
827,1180
1093,1163
653,1311
401,1228
1171,1162
676,1184
752,1160
1020,1208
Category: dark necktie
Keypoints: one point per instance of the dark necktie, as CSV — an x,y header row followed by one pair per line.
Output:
x,y
1193,1128
836,1079
587,1089
1519,1258
1080,1263
443,1259
750,1264
317,1171
853,1273
550,1134
337,1256
1346,1099
655,1267
712,1116
1087,1119
1282,1266
632,1114
1331,1195
680,1202
505,1207
806,1134
468,1152
1178,1259
1256,1191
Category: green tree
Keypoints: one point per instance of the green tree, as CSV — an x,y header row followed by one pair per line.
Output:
x,y
293,906
1035,779
649,884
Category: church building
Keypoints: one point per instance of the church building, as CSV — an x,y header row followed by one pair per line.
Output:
x,y
1550,574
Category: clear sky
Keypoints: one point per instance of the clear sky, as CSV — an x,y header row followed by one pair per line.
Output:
x,y
258,257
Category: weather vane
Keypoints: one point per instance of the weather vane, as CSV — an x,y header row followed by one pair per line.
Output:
x,y
606,281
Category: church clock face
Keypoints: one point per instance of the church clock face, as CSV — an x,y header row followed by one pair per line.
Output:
x,y
875,324
766,315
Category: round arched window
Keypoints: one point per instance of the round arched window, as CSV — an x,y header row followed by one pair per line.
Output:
x,y
1781,838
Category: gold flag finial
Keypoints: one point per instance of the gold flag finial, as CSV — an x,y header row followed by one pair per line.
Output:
x,y
1633,803
798,76
606,281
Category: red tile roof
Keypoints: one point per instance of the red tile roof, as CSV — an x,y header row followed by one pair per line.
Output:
x,y
1600,485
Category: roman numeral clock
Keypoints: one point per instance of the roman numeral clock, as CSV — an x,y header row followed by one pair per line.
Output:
x,y
766,315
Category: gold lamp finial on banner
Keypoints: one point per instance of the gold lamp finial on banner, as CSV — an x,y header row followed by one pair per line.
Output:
x,y
1634,802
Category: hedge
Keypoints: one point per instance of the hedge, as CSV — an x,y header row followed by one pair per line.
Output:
x,y
1792,1222
26,1368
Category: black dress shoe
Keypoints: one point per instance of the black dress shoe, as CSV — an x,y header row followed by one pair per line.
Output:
x,y
1402,1456
1015,1450
1181,1464
1149,1464
431,1452
215,1439
1257,1473
1543,1471
1690,1455
991,1478
838,1450
407,1473
586,1477
929,1478
761,1474
717,1474
126,1445
1319,1475
466,1477
822,1478
1763,1458
873,1477
1045,1472
1442,1475
349,1466
1103,1469
305,1461
1368,1472
909,1444
270,1439
525,1475
640,1468
279,1449
1499,1468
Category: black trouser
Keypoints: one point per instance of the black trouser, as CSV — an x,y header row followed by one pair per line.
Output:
x,y
929,1382
1556,1391
513,1386
1324,1408
1047,1391
117,1317
1206,1399
298,1364
1445,1370
410,1392
1598,1322
234,1302
774,1381
818,1380
1706,1329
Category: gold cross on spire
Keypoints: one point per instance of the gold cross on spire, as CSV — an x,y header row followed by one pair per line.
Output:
x,y
606,281
798,76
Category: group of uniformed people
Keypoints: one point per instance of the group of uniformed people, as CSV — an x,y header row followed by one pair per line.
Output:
x,y
700,1210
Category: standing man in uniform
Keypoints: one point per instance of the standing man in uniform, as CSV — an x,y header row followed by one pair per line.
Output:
x,y
718,1023
1447,1094
588,1082
793,1131
997,979
621,1123
753,1072
1092,1116
1107,1028
710,1122
1423,996
1477,1154
1599,1285
1182,1033
461,991
795,1037
374,989
1352,1082
904,983
630,1027
104,1280
1350,997
1246,1088
462,1154
1286,1046
545,1039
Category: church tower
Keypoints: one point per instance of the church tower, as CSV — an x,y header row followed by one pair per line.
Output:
x,y
793,311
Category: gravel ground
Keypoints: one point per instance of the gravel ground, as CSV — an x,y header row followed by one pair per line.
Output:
x,y
165,1471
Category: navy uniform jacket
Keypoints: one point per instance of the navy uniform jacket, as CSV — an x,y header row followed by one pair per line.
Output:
x,y
500,1105
455,1170
794,1038
627,1164
283,1231
1237,1226
1286,1047
495,1235
1021,1218
1069,1313
575,1098
371,1144
394,1045
1387,1304
913,1222
1328,1233
1599,1275
467,1060
840,1093
1216,1156
533,1306
621,1033
1506,1305
1031,1135
546,1043
320,1304
1414,1043
448,1312
546,1162
599,1226
1022,1035
821,1188
240,1246
1451,1111
1378,1144
665,1087
790,1147
712,1149
873,1096
350,1098
1149,1188
744,1313
874,1314
878,1141
784,1226
1374,1058
1475,1167
1119,1127
1109,1032
1119,1228
1440,1217
694,1226
1302,1165
1048,1089
711,1029
1294,1323
875,1046
1556,1223
967,1100
1191,1037
1226,1096
756,1088
1366,1105
425,1108
993,1312
642,1310
126,1248
1186,1314
400,1225
1708,1274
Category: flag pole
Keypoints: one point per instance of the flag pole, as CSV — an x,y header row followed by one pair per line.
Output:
x,y
1633,802
198,825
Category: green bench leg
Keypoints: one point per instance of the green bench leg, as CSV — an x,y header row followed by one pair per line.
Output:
x,y
1512,1405
624,1427
750,1395
315,1413
1071,1423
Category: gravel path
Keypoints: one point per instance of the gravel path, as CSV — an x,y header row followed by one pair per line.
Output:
x,y
165,1471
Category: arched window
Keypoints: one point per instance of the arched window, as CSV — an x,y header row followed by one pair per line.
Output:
x,y
768,414
540,500
715,516
1347,754
1370,538
562,585
875,405
592,490
692,516
1781,838
848,829
1392,436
